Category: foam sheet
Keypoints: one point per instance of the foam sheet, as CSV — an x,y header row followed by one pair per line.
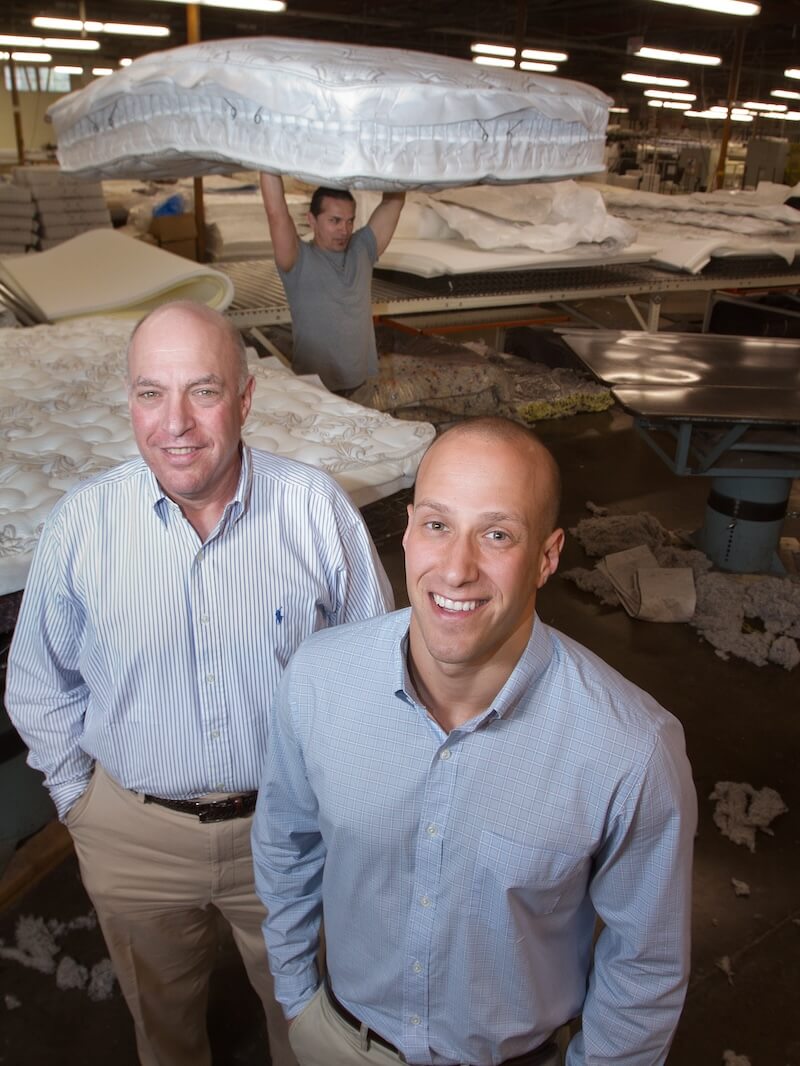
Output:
x,y
431,259
64,417
376,118
104,272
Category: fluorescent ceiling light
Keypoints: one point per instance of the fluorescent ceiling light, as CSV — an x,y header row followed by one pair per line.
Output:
x,y
125,62
722,7
547,57
494,49
719,115
678,57
618,110
45,22
102,72
269,7
653,79
791,116
31,57
785,94
80,44
545,68
493,61
792,72
755,105
665,94
736,112
676,105
42,22
68,70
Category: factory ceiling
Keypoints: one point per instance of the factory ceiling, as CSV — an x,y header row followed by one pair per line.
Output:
x,y
598,35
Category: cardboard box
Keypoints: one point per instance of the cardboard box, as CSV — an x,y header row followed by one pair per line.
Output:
x,y
188,249
173,228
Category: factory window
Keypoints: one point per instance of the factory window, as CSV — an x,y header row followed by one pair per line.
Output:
x,y
32,79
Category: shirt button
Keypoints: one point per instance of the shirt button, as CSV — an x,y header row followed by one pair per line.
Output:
x,y
214,734
445,755
431,830
219,787
204,619
210,679
415,1019
417,967
425,901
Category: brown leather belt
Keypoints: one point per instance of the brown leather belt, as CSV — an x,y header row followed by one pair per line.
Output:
x,y
536,1057
218,811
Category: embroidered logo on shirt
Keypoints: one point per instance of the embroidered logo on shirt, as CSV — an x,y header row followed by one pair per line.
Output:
x,y
279,616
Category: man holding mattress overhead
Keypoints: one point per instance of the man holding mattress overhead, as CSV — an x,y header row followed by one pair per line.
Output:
x,y
165,599
328,280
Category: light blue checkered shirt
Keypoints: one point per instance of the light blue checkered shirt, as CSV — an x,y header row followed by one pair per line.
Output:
x,y
461,874
157,655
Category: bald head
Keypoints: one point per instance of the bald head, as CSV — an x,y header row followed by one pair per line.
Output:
x,y
544,472
169,319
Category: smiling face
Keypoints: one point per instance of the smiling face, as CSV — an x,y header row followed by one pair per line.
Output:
x,y
333,226
187,408
479,545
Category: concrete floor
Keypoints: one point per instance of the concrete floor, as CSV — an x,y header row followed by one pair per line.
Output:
x,y
741,724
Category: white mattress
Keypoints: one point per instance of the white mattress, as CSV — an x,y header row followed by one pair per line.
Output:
x,y
332,114
64,417
105,272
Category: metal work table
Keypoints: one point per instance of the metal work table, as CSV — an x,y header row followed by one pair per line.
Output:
x,y
722,407
260,300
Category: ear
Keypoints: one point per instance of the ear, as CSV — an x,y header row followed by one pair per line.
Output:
x,y
410,513
550,555
246,399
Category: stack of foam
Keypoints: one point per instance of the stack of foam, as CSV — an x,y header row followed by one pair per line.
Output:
x,y
65,206
18,225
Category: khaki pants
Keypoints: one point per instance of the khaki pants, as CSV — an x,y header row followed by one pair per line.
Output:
x,y
320,1037
158,880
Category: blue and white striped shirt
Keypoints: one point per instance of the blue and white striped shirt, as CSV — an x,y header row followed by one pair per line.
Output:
x,y
461,874
156,654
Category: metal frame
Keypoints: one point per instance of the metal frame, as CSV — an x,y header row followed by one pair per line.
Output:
x,y
259,298
700,445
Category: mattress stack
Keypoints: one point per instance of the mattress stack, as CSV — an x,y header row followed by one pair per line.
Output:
x,y
65,206
19,228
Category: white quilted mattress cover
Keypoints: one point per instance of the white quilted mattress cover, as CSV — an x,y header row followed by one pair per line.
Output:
x,y
373,118
64,417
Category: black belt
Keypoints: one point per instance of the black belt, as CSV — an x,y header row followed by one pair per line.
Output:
x,y
530,1058
218,811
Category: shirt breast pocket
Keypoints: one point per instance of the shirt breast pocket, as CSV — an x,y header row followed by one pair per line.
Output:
x,y
513,878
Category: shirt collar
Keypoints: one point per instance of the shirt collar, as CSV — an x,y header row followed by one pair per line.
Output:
x,y
531,665
234,510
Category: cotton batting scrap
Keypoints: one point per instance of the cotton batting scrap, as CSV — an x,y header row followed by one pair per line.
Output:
x,y
730,1058
742,809
755,617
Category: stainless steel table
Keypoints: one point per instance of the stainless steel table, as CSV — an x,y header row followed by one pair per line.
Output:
x,y
722,407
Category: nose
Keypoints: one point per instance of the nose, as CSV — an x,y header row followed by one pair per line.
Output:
x,y
178,418
460,564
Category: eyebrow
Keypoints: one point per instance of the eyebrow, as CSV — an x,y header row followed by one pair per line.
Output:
x,y
207,379
486,516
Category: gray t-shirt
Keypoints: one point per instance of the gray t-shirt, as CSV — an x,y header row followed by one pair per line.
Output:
x,y
329,296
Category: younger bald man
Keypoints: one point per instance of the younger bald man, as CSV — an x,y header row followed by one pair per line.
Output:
x,y
165,599
464,791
